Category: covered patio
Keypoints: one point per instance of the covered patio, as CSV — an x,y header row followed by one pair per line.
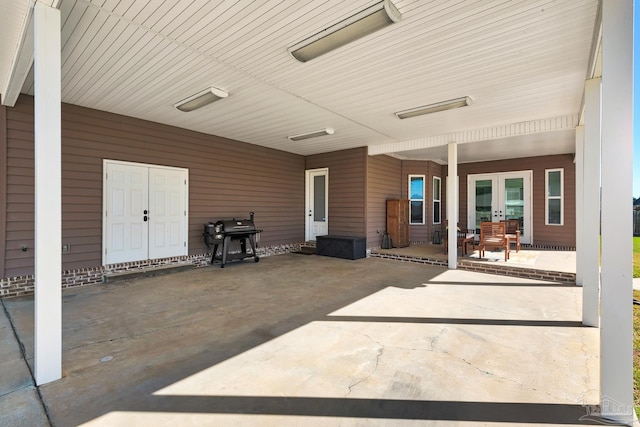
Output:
x,y
310,340
127,124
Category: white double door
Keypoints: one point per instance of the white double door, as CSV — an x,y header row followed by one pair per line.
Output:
x,y
145,212
496,197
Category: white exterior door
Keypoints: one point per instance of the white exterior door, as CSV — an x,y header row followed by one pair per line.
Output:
x,y
126,234
317,196
495,197
167,211
145,212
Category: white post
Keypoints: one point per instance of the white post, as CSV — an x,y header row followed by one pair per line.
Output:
x,y
616,333
579,161
590,210
452,205
48,225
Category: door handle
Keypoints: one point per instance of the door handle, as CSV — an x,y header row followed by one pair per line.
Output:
x,y
145,212
145,218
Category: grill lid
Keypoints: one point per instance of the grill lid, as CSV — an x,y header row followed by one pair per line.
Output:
x,y
236,225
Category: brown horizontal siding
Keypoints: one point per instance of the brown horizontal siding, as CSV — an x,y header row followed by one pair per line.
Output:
x,y
383,183
3,185
20,191
546,235
347,188
226,179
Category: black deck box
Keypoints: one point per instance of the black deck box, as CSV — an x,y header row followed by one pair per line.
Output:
x,y
347,247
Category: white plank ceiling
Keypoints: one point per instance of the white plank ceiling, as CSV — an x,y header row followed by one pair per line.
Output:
x,y
520,60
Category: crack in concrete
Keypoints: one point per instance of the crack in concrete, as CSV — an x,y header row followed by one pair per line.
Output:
x,y
494,375
434,340
116,339
493,309
375,368
23,353
379,353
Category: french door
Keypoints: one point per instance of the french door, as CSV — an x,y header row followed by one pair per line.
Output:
x,y
317,195
496,197
145,212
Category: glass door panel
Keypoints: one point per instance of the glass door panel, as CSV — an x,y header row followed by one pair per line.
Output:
x,y
319,207
484,194
317,195
513,190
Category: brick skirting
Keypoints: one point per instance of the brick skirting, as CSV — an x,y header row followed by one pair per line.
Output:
x,y
501,270
24,285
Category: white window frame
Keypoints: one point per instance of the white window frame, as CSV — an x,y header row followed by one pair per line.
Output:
x,y
548,197
423,177
437,200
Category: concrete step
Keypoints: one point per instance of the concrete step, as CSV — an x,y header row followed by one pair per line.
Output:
x,y
307,250
145,272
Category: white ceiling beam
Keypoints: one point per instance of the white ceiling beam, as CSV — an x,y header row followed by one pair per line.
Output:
x,y
22,57
22,61
484,134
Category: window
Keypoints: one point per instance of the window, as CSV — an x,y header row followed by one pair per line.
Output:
x,y
554,207
416,199
437,194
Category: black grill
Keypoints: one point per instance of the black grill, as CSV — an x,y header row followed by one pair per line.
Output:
x,y
222,233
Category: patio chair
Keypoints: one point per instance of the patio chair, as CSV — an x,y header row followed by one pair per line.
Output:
x,y
464,237
513,231
493,235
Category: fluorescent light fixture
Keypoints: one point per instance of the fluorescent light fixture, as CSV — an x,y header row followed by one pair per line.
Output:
x,y
359,25
201,99
314,134
434,108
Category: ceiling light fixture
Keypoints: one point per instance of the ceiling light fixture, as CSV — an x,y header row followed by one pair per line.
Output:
x,y
201,99
434,108
356,26
314,134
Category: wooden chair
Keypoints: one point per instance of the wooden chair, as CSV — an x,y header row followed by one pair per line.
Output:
x,y
493,235
462,240
513,231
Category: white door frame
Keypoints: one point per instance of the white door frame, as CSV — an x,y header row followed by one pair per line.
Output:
x,y
308,234
105,162
498,178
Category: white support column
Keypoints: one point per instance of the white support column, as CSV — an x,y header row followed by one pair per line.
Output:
x,y
579,161
616,332
452,205
48,224
590,210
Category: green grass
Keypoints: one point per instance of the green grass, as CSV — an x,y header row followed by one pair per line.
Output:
x,y
636,349
636,257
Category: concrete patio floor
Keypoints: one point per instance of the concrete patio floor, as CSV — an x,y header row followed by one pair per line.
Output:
x,y
309,340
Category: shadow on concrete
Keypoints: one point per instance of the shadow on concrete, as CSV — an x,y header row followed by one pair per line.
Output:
x,y
521,413
164,329
457,321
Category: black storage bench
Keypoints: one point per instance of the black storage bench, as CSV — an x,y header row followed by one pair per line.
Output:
x,y
347,247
